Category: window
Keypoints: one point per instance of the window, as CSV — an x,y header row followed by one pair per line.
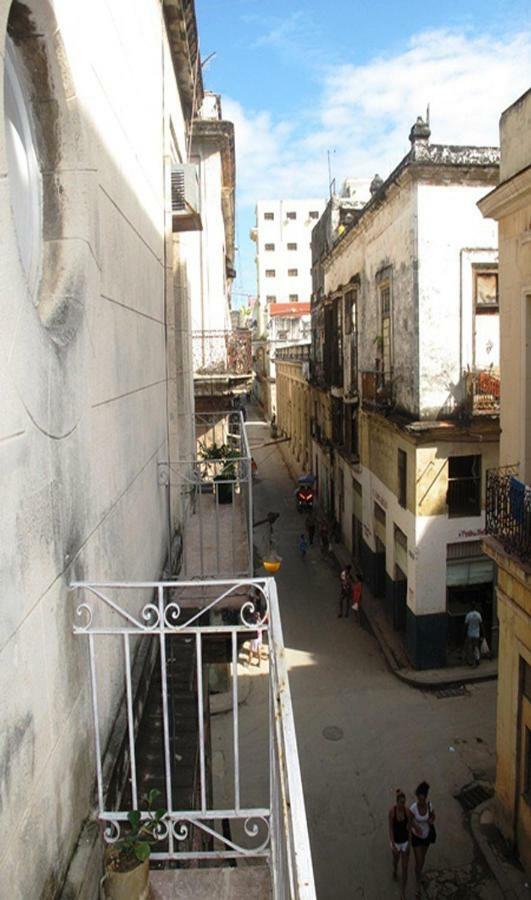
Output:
x,y
314,214
271,298
25,183
269,246
269,216
293,273
293,298
292,246
270,273
337,421
379,513
464,485
402,477
386,360
486,290
291,215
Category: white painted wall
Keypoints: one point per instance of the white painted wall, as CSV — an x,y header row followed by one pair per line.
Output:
x,y
452,236
83,419
281,232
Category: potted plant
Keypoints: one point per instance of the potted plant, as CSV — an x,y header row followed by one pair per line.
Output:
x,y
224,473
127,860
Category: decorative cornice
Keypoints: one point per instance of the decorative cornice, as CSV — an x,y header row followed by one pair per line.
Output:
x,y
508,197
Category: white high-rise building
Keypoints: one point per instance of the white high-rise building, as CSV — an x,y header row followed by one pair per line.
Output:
x,y
283,235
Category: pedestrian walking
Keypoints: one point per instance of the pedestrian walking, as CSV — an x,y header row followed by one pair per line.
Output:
x,y
324,538
310,527
399,828
473,635
422,829
356,596
345,590
303,546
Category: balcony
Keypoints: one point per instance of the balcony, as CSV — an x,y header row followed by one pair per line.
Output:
x,y
508,513
377,390
483,392
294,353
222,354
245,807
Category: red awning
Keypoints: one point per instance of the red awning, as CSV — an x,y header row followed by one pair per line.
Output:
x,y
289,309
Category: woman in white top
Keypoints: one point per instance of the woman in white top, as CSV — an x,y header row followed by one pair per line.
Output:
x,y
422,817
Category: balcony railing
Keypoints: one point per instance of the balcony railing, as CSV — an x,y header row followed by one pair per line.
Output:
x,y
222,352
483,391
295,352
508,514
230,817
377,389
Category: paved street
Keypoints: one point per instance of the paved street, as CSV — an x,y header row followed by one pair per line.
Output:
x,y
390,735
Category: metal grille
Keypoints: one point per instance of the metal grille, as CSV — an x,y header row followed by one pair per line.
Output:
x,y
178,203
474,794
453,690
508,516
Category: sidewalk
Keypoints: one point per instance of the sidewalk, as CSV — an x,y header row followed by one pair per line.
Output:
x,y
511,878
392,646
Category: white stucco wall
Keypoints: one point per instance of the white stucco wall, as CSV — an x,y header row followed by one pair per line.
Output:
x,y
280,232
452,237
83,412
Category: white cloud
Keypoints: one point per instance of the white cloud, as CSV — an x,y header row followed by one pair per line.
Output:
x,y
365,112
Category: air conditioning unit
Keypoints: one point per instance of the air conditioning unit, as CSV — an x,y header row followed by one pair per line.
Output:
x,y
185,198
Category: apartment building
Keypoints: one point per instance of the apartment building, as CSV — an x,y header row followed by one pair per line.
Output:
x,y
508,540
405,374
284,280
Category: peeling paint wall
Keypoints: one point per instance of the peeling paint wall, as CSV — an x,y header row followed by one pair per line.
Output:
x,y
83,401
452,238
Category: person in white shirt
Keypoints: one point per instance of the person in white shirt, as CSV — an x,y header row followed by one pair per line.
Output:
x,y
473,635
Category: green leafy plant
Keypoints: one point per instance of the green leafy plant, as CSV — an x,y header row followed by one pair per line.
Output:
x,y
223,452
135,847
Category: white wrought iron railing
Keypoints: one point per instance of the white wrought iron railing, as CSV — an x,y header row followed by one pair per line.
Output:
x,y
114,619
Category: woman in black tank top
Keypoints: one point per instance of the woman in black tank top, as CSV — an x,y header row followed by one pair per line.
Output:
x,y
399,827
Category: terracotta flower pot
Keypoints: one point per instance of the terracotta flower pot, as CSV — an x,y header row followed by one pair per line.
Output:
x,y
132,884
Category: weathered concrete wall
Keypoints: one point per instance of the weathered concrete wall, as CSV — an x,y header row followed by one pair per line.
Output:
x,y
84,394
452,237
386,240
293,412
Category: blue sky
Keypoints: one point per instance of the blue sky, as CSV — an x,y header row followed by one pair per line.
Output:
x,y
298,78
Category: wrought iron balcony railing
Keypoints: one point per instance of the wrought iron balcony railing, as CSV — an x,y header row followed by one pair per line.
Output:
x,y
222,352
483,391
508,513
262,818
377,389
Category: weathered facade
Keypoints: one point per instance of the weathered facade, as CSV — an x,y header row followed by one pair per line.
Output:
x,y
405,349
509,492
221,354
97,383
284,282
294,405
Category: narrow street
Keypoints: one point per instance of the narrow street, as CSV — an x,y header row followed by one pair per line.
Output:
x,y
384,733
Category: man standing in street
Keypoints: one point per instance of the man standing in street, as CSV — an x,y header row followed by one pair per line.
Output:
x,y
473,635
345,595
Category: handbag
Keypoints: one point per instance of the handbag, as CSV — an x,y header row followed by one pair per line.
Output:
x,y
485,650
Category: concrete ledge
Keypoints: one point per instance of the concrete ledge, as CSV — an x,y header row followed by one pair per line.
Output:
x,y
511,878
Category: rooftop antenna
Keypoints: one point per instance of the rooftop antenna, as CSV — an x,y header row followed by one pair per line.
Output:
x,y
331,181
